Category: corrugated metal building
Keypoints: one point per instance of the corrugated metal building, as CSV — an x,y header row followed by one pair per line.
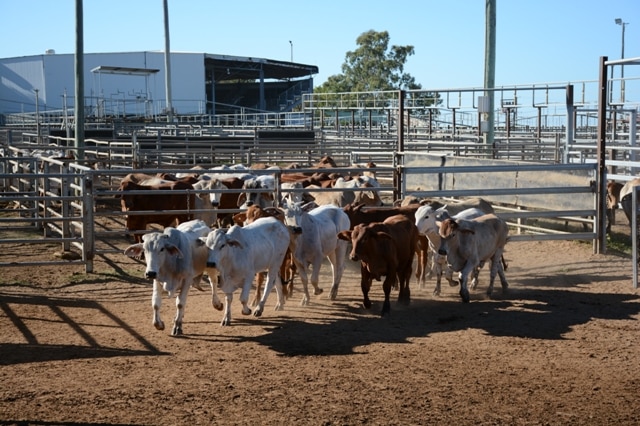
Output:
x,y
133,83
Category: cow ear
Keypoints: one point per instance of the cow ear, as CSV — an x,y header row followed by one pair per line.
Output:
x,y
384,235
444,214
464,228
235,243
174,251
241,199
134,251
344,235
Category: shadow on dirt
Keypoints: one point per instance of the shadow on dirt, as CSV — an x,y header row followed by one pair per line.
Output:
x,y
534,314
54,311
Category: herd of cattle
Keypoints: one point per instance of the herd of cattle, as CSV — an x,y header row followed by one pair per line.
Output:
x,y
277,237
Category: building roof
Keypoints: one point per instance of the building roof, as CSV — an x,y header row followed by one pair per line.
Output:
x,y
227,67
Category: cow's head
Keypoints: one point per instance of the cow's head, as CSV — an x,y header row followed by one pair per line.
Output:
x,y
215,186
426,219
160,252
253,195
293,215
364,239
448,231
219,241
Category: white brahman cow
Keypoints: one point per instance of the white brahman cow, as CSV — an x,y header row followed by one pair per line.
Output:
x,y
359,190
260,190
427,222
467,244
175,259
238,253
318,239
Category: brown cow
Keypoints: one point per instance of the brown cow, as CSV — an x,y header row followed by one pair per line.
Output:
x,y
384,248
229,200
155,204
359,213
613,198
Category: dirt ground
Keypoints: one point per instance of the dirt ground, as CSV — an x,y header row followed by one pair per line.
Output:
x,y
562,347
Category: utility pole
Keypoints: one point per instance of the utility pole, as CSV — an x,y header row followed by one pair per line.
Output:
x,y
79,72
490,64
167,62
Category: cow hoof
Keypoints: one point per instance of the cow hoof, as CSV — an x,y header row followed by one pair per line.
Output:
x,y
218,306
225,322
177,331
257,313
318,291
304,301
465,296
159,325
333,294
279,307
436,292
246,311
367,304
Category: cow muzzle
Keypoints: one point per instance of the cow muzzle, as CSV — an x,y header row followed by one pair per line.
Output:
x,y
442,252
151,275
211,265
354,257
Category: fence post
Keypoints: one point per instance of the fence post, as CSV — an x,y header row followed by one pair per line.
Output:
x,y
88,230
601,179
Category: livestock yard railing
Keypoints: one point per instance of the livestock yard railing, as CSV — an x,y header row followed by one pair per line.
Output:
x,y
539,201
60,203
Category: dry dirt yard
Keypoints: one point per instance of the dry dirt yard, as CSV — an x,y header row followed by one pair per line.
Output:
x,y
561,348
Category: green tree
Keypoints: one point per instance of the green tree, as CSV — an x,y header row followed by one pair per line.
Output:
x,y
373,65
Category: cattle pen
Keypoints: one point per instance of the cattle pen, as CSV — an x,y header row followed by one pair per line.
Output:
x,y
559,347
75,214
544,168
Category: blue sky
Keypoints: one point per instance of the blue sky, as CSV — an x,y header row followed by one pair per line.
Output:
x,y
537,41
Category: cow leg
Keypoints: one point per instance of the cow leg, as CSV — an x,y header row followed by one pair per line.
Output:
x,y
476,273
365,285
272,279
181,303
226,318
438,271
302,270
215,300
464,276
260,276
422,263
244,296
338,266
497,268
336,273
390,281
315,274
404,295
156,303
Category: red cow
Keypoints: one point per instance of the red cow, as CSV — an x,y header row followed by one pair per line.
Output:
x,y
155,204
384,248
359,213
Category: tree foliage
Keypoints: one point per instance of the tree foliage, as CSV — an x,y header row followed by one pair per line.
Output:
x,y
373,65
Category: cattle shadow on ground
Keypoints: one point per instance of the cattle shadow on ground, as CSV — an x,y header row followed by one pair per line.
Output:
x,y
34,350
534,314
